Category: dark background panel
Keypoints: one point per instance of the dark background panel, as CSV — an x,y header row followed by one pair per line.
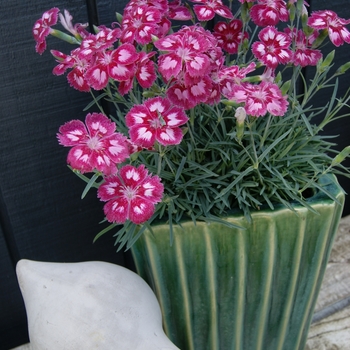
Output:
x,y
40,194
13,326
41,214
339,128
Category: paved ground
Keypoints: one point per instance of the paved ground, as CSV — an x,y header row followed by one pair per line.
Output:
x,y
331,331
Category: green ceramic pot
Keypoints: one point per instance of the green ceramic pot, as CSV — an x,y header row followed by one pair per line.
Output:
x,y
223,289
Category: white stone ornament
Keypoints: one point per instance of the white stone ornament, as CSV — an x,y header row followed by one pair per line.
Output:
x,y
89,305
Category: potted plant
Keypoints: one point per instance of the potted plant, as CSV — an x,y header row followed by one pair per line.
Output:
x,y
211,165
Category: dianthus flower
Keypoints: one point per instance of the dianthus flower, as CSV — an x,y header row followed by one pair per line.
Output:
x,y
190,92
42,28
208,8
335,25
144,73
230,77
260,99
160,5
131,194
269,12
155,120
273,47
118,64
95,145
95,43
230,35
185,52
177,11
139,24
303,54
79,66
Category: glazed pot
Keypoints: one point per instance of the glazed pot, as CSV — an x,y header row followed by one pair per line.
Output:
x,y
243,289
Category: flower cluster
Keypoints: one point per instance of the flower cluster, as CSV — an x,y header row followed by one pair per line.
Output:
x,y
209,112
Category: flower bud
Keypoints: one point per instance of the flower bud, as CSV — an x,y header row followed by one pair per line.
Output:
x,y
342,69
341,156
229,103
240,116
119,17
63,36
329,59
292,11
300,6
304,19
319,40
244,12
148,93
324,64
285,87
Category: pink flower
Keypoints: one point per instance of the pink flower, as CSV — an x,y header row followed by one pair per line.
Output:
x,y
230,35
269,12
160,5
273,47
95,43
95,146
130,195
208,8
190,92
185,52
230,77
155,120
117,64
303,55
178,12
42,28
335,25
139,24
304,11
144,72
79,66
260,99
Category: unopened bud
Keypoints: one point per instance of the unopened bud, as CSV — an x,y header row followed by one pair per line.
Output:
x,y
321,37
292,11
342,69
329,59
341,156
119,17
285,87
240,116
63,36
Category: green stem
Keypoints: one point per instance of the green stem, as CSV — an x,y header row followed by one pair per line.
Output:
x,y
160,159
267,126
96,102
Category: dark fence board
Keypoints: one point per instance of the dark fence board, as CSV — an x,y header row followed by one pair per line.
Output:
x,y
13,323
339,128
40,195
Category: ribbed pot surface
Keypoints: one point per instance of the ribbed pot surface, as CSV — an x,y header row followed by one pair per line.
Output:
x,y
242,289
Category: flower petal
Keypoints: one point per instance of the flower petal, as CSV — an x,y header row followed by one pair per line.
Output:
x,y
72,133
99,125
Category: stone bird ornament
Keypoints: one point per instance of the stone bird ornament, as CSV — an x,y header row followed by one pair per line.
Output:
x,y
89,305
